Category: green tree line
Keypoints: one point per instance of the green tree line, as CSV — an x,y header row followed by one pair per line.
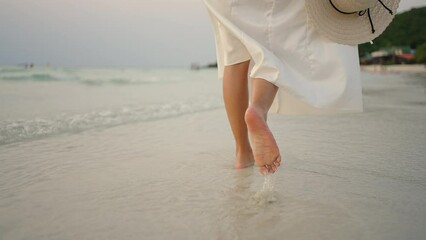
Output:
x,y
407,29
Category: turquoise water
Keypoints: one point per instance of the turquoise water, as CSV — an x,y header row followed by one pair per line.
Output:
x,y
95,76
42,102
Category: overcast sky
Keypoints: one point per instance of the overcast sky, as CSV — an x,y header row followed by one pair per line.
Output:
x,y
139,33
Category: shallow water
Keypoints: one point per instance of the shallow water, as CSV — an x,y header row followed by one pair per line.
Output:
x,y
167,173
42,102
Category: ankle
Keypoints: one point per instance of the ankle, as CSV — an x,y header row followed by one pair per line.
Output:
x,y
244,150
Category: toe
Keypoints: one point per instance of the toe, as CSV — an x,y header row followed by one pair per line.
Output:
x,y
274,168
263,170
277,164
278,159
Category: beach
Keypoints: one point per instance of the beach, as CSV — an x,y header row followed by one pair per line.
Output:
x,y
148,154
417,69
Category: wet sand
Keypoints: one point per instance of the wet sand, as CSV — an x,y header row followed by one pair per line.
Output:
x,y
355,176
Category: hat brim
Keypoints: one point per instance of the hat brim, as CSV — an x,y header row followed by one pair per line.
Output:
x,y
350,29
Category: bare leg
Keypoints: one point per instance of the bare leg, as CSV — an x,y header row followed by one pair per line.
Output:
x,y
235,95
265,149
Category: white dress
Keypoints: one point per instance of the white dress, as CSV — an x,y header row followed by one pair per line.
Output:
x,y
314,75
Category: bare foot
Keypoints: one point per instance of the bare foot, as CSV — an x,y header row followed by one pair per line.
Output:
x,y
244,160
265,149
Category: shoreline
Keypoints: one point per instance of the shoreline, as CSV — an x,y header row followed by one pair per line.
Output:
x,y
400,68
116,174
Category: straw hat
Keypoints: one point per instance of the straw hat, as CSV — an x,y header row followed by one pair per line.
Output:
x,y
351,22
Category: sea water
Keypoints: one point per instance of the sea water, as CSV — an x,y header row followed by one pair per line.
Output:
x,y
45,101
128,153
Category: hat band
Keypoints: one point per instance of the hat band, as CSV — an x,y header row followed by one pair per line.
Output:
x,y
362,12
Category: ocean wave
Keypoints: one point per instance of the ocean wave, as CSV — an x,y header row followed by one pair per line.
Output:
x,y
83,80
20,130
33,77
43,77
11,69
93,77
119,81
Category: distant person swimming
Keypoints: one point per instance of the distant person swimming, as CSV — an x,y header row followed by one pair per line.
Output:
x,y
301,56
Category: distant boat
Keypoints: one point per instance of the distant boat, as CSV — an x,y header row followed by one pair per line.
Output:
x,y
197,66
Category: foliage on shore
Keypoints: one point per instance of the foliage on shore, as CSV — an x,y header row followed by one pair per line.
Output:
x,y
421,53
407,29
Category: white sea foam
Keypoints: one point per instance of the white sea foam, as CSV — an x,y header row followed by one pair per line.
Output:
x,y
18,130
94,76
42,101
355,176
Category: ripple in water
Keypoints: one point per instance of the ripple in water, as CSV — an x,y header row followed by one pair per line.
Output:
x,y
18,130
266,194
